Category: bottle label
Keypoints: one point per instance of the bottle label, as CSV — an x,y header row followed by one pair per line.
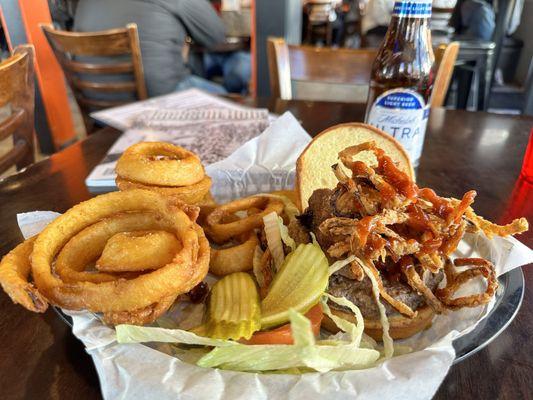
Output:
x,y
403,114
412,9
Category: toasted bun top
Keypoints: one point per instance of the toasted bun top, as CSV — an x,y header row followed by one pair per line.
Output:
x,y
313,168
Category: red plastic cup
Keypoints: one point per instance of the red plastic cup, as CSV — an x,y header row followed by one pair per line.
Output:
x,y
527,165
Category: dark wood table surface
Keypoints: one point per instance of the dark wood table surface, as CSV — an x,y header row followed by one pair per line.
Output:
x,y
40,358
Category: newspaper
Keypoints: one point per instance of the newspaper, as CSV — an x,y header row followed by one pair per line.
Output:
x,y
124,117
211,127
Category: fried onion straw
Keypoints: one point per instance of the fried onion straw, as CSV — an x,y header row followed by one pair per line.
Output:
x,y
491,229
397,304
454,280
381,214
15,269
414,280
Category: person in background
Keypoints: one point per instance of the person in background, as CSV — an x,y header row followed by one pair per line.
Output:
x,y
474,20
62,12
163,28
235,67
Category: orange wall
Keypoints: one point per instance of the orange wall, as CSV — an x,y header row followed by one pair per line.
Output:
x,y
48,72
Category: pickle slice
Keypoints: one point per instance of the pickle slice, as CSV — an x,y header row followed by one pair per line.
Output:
x,y
234,311
299,284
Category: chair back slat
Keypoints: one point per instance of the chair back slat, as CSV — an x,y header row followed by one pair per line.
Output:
x,y
312,73
10,125
98,69
113,87
18,152
120,52
17,105
309,63
113,42
85,102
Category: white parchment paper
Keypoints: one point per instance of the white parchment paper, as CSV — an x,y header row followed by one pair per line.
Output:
x,y
266,163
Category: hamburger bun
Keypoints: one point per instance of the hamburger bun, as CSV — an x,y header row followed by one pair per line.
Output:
x,y
400,327
313,167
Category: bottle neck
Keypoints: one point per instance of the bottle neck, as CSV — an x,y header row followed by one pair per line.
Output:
x,y
409,22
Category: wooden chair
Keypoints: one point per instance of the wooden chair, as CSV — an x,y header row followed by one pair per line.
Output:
x,y
445,58
17,100
310,73
122,76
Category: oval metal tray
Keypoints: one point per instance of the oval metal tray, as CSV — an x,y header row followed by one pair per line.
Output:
x,y
508,301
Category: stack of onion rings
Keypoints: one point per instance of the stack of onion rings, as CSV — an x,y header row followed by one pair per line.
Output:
x,y
232,227
61,257
164,168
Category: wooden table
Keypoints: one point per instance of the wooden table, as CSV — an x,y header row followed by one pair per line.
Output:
x,y
40,358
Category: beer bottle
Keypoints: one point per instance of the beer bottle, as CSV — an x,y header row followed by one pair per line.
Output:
x,y
402,77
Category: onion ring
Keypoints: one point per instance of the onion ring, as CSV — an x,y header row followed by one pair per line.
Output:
x,y
187,269
221,232
87,245
191,194
160,163
15,269
237,258
141,316
137,251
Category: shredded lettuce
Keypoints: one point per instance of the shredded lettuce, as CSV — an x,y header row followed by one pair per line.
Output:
x,y
388,343
302,332
273,237
313,238
142,334
337,265
354,330
304,353
284,232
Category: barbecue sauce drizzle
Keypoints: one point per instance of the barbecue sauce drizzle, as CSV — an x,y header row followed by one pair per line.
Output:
x,y
398,182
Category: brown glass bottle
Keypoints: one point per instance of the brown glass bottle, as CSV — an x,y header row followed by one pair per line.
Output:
x,y
402,77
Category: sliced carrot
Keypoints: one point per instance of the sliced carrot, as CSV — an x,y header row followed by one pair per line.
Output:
x,y
283,334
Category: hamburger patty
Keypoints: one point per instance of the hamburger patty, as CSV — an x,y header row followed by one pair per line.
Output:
x,y
360,293
318,211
